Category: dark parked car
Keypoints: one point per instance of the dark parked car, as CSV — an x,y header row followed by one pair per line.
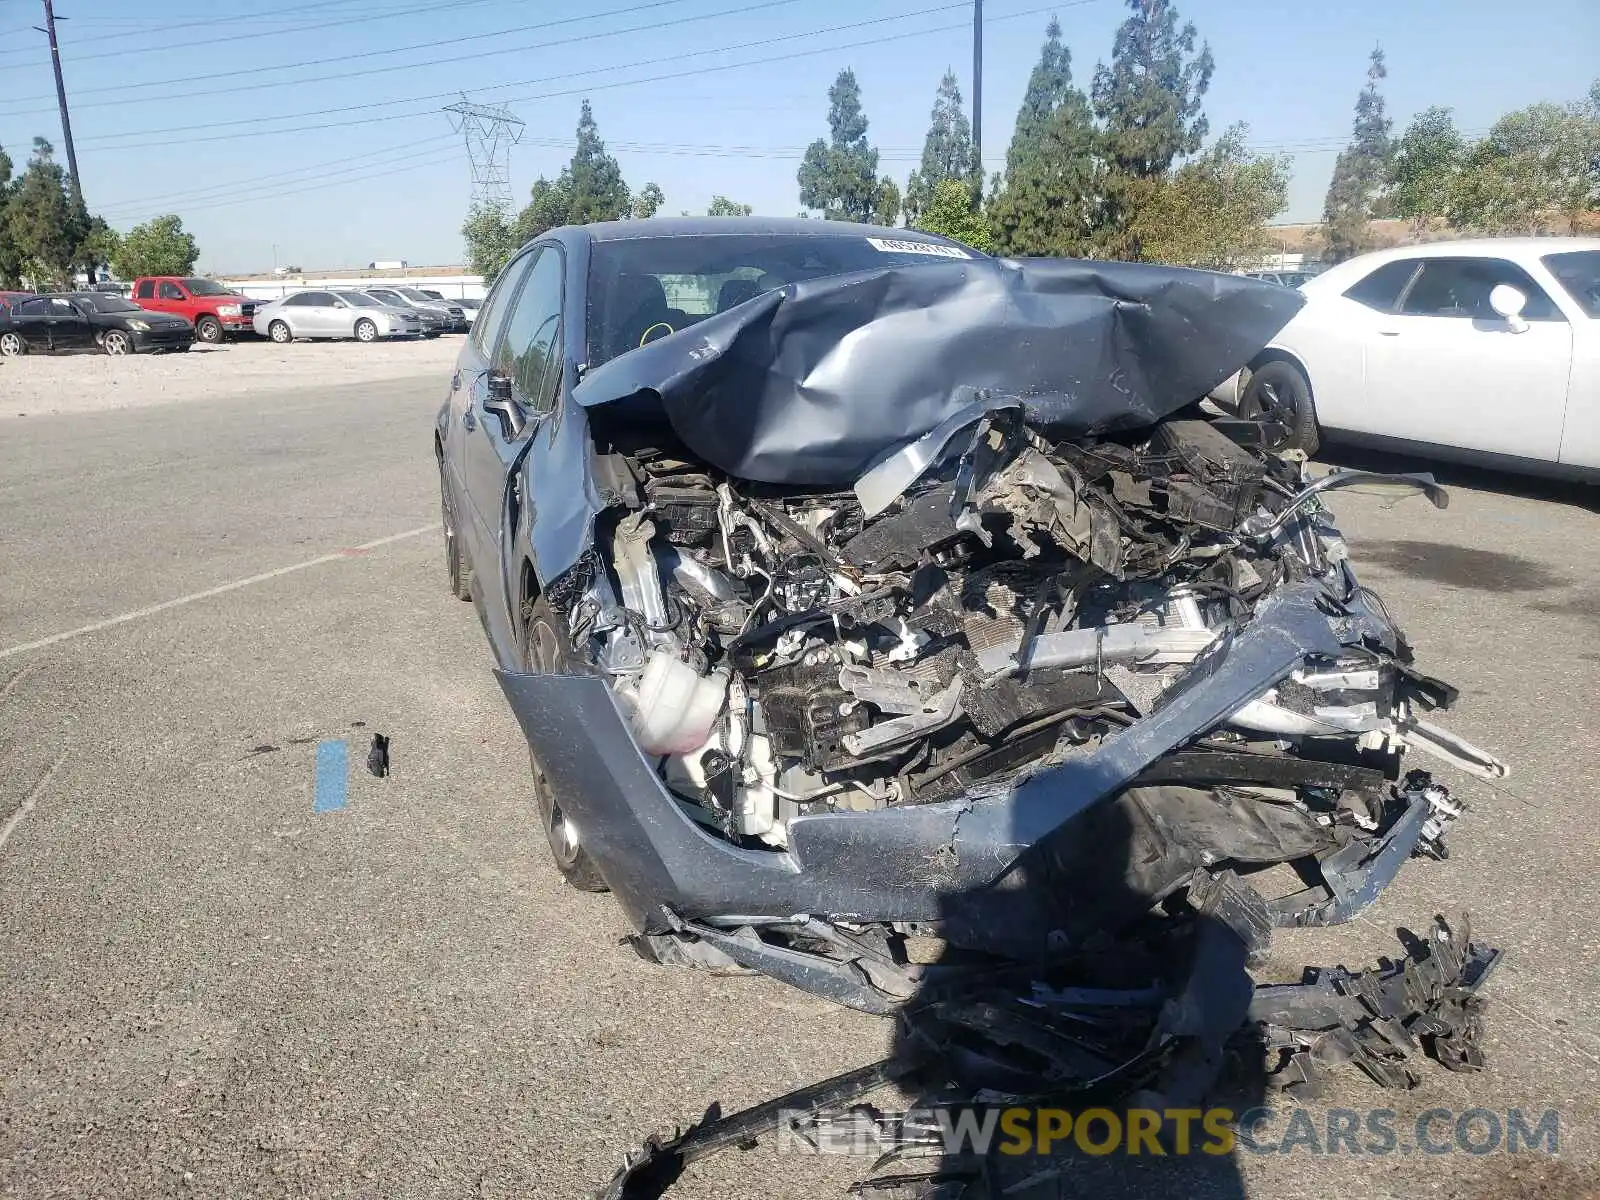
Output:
x,y
850,585
84,320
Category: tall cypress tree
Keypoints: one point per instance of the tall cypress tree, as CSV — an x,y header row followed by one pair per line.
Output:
x,y
946,151
593,181
1046,202
1362,171
840,175
1149,101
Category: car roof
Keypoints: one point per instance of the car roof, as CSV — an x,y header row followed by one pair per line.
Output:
x,y
612,231
1498,246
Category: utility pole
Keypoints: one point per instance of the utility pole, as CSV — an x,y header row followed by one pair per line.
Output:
x,y
978,87
491,130
61,96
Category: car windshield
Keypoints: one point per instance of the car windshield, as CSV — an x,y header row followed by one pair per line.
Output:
x,y
206,287
1579,272
386,298
412,294
107,304
638,285
359,299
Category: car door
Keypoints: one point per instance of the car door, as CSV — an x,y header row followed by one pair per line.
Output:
x,y
32,320
171,298
319,315
491,447
71,327
1444,368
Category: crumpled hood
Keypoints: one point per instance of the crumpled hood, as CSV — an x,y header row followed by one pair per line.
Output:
x,y
813,383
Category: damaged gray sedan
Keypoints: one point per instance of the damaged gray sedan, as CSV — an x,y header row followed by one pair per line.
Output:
x,y
856,590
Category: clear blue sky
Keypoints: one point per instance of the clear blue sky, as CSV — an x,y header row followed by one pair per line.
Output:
x,y
383,177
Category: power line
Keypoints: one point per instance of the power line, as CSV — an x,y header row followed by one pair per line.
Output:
x,y
256,35
251,122
368,54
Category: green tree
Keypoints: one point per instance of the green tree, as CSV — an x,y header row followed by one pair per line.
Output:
x,y
10,255
949,211
1362,171
1047,201
594,186
840,175
1150,105
946,151
1537,170
158,247
721,206
886,210
1213,211
45,222
549,205
648,202
490,239
1427,157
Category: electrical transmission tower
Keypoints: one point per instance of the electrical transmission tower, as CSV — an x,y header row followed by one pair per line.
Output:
x,y
491,130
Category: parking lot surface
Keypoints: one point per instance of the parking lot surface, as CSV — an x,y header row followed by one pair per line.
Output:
x,y
212,989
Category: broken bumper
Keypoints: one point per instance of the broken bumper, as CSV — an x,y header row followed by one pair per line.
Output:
x,y
1013,871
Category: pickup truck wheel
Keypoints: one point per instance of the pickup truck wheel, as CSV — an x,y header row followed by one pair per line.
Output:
x,y
544,651
366,331
280,332
11,345
208,329
458,567
117,343
1281,391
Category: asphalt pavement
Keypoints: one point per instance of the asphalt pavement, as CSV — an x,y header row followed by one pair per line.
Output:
x,y
211,989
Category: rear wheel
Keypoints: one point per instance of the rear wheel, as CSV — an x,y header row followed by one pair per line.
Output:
x,y
1279,390
366,331
11,345
208,329
458,567
545,651
280,332
116,343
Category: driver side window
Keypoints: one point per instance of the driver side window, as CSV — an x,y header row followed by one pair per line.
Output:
x,y
530,352
1460,287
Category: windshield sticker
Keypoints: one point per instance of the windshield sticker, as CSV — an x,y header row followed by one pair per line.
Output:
x,y
898,246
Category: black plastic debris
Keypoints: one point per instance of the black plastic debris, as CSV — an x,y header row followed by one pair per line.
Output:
x,y
378,756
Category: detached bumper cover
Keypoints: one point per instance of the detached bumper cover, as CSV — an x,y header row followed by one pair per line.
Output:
x,y
1005,870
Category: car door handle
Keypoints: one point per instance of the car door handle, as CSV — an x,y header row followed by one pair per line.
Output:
x,y
1389,333
468,421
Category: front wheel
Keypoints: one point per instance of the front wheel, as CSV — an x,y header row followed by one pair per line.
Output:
x,y
208,330
280,332
116,343
12,345
544,651
1280,391
366,331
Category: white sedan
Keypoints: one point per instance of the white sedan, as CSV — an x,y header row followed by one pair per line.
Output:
x,y
1483,351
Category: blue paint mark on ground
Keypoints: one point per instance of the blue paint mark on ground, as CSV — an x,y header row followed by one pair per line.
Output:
x,y
333,776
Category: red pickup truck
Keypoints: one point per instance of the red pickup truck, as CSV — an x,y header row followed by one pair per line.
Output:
x,y
212,308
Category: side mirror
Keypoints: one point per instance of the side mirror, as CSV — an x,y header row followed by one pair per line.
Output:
x,y
497,399
1509,302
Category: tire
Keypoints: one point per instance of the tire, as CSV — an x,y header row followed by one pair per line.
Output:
x,y
366,331
208,330
116,343
12,345
280,332
1280,390
458,567
545,650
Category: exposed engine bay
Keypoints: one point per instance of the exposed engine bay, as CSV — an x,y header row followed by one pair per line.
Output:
x,y
985,603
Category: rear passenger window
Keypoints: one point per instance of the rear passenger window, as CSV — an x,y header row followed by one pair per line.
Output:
x,y
146,290
492,316
1460,287
1382,288
530,351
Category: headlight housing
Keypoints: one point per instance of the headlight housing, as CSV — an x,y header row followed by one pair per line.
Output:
x,y
228,310
138,325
